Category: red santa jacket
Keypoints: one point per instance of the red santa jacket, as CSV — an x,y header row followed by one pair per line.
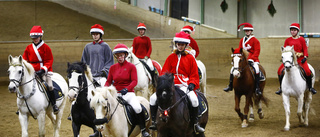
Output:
x,y
193,44
142,47
252,45
299,46
187,69
39,56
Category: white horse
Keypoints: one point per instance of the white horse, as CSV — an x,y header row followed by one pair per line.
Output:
x,y
30,99
202,67
144,78
105,104
295,86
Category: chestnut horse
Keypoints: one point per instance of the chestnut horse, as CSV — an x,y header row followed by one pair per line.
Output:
x,y
174,118
244,84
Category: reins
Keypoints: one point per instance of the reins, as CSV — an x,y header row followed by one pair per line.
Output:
x,y
176,103
108,108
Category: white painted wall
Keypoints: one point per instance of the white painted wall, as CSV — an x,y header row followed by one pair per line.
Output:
x,y
195,9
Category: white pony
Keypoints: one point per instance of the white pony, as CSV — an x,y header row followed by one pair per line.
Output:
x,y
293,85
202,67
144,79
30,99
105,104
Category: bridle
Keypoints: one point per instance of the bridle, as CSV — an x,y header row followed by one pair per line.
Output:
x,y
290,62
80,82
240,69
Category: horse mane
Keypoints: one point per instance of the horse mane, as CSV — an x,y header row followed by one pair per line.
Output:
x,y
290,49
29,67
88,73
245,53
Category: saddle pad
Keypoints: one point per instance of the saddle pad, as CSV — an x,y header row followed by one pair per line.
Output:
x,y
132,116
202,108
56,89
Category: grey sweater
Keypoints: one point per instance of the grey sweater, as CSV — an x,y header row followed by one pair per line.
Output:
x,y
99,58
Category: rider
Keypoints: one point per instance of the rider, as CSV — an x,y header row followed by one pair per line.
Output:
x,y
142,48
39,55
98,55
123,75
252,45
193,44
301,50
183,66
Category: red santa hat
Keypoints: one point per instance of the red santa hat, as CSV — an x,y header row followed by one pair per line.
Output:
x,y
247,26
237,51
120,48
36,31
295,25
141,26
187,28
97,28
182,37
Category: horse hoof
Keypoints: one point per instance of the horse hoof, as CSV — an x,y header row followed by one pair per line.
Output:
x,y
251,119
244,124
286,129
261,115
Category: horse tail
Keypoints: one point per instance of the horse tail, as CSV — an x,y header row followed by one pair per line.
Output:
x,y
262,98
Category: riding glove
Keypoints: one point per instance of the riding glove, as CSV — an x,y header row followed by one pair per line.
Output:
x,y
304,60
191,87
40,73
123,91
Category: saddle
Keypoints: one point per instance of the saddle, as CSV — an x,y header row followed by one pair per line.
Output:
x,y
261,75
130,114
45,89
202,108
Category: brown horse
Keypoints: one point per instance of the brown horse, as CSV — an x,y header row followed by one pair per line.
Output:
x,y
173,119
244,84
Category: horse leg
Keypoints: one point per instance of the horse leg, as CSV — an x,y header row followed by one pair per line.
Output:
x,y
42,123
261,115
23,119
300,105
251,116
237,108
76,129
286,105
307,101
246,110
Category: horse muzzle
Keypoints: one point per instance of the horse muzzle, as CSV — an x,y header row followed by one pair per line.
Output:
x,y
12,89
100,128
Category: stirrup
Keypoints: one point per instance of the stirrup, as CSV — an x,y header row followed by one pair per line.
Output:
x,y
279,92
153,126
198,128
258,92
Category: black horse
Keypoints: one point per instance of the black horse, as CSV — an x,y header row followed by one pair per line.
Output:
x,y
80,81
173,109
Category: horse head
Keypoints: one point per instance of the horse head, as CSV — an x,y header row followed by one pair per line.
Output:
x,y
239,62
17,72
131,57
101,102
165,89
289,59
77,73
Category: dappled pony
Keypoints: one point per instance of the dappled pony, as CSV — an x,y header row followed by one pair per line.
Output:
x,y
80,87
202,73
244,84
31,100
144,85
106,106
294,85
173,119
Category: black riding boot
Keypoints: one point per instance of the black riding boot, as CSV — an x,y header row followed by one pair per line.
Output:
x,y
142,125
309,84
153,110
257,83
194,120
52,99
280,77
230,86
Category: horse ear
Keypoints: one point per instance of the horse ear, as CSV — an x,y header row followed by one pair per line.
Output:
x,y
171,78
281,48
10,59
232,50
20,59
241,50
68,64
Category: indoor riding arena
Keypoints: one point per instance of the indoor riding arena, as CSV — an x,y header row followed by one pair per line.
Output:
x,y
66,26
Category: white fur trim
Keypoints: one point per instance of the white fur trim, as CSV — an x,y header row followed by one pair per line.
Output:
x,y
141,27
45,68
247,28
97,30
36,34
181,39
189,30
294,27
120,49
